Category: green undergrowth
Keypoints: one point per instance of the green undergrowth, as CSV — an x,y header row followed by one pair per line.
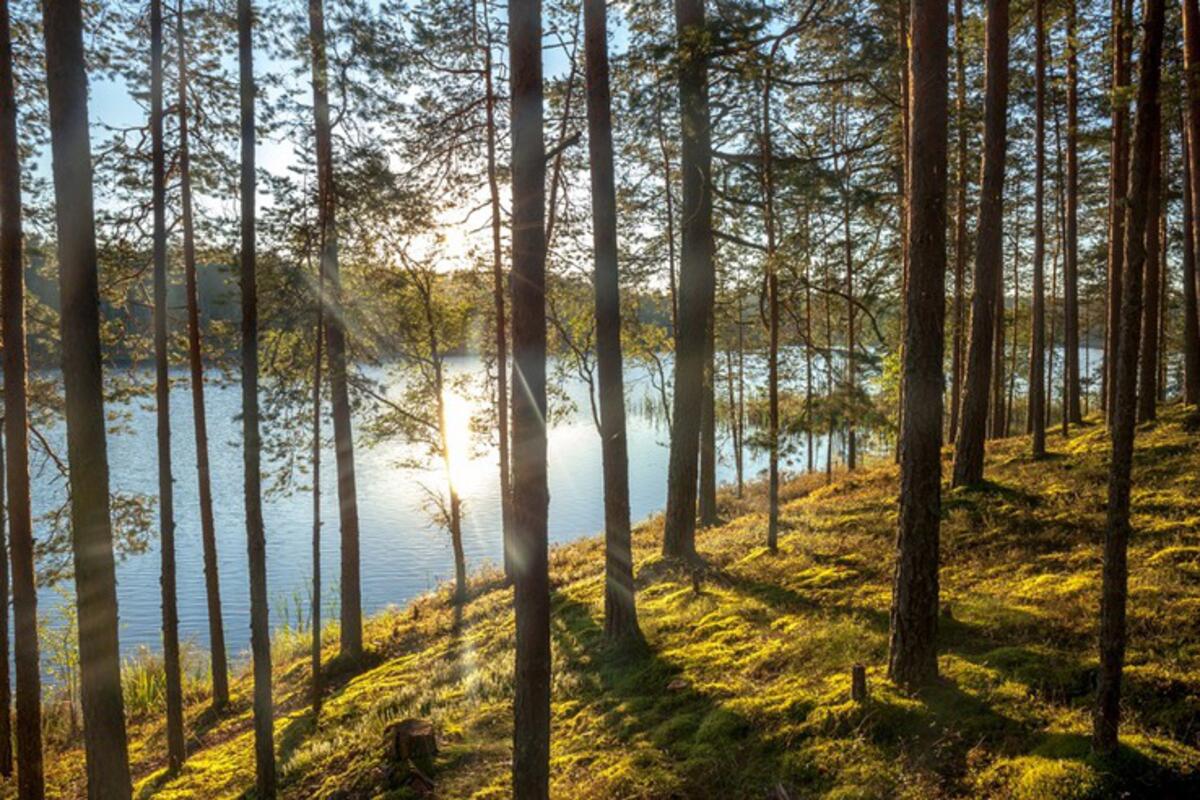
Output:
x,y
743,689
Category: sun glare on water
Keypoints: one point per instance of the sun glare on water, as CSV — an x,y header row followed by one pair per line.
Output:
x,y
464,469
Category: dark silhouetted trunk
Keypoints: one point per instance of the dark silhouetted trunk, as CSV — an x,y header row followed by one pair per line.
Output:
x,y
208,532
30,780
912,657
95,574
999,412
350,596
1037,313
1191,323
987,304
531,499
772,283
1147,395
499,282
6,754
696,280
1072,413
1114,590
315,649
960,220
1122,37
706,503
620,608
162,399
256,545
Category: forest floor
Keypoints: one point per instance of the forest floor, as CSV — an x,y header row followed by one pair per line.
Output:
x,y
743,691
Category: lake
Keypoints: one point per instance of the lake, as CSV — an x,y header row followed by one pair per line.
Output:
x,y
403,553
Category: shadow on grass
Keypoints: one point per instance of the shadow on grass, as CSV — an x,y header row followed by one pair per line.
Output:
x,y
640,695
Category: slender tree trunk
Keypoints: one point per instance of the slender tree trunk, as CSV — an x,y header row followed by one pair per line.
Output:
x,y
903,8
1122,38
1072,415
620,607
1016,317
706,504
30,781
851,341
1191,327
772,282
696,280
531,732
999,418
1114,591
987,303
735,420
95,574
1147,395
335,342
808,343
162,394
1191,322
1037,315
208,534
319,333
499,282
912,658
256,546
960,219
6,753
669,211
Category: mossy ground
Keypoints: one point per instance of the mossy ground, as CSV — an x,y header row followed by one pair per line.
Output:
x,y
744,686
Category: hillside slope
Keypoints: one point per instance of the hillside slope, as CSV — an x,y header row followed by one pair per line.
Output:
x,y
744,689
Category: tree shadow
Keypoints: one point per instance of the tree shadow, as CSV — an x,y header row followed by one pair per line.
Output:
x,y
646,697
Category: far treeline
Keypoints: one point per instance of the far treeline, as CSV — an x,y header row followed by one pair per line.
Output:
x,y
890,225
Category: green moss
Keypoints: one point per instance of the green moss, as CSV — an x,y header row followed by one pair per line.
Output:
x,y
744,686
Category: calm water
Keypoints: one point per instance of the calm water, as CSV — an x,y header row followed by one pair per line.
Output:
x,y
403,553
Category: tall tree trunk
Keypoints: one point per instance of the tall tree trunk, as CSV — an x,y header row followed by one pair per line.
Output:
x,y
902,8
256,546
162,395
1037,312
531,708
620,608
1122,38
315,650
1016,318
335,341
1191,327
30,781
1072,415
960,218
809,422
499,283
6,753
987,303
1147,395
772,285
208,533
912,658
851,342
1191,322
1114,591
95,574
696,280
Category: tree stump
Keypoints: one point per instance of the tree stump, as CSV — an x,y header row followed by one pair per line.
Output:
x,y
858,683
412,739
